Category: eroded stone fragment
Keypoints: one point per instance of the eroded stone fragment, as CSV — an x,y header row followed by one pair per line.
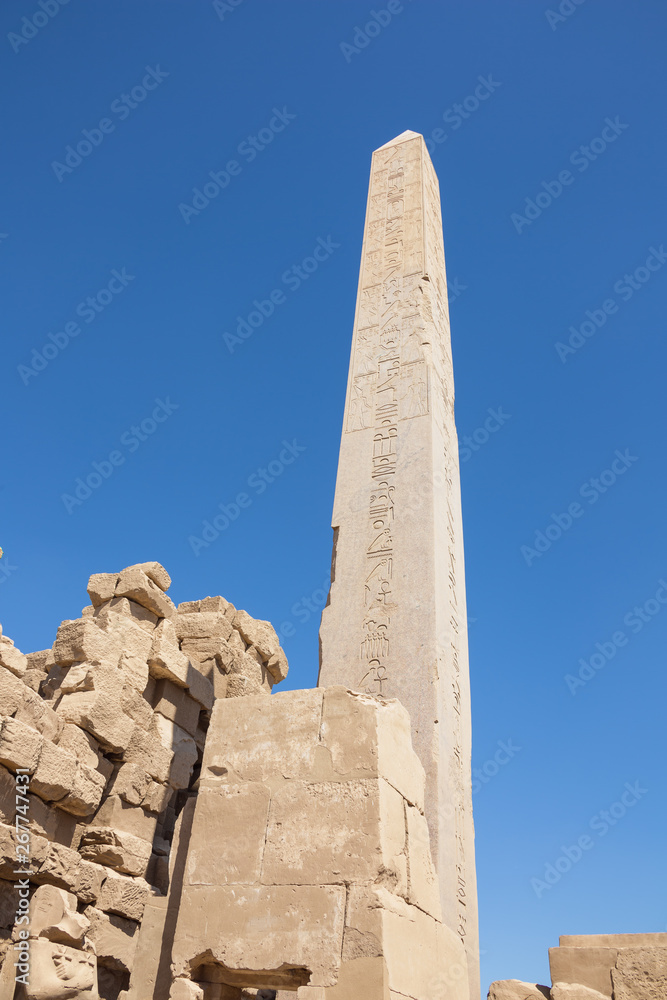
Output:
x,y
516,989
139,587
101,587
259,634
12,658
20,745
121,851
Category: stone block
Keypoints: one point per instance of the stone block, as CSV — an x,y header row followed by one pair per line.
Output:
x,y
150,977
85,748
277,666
7,796
12,658
640,974
586,966
54,774
146,750
188,607
573,991
124,896
138,586
83,640
259,634
424,889
155,572
12,691
114,938
101,714
101,587
200,687
515,989
20,745
157,797
118,815
49,822
135,706
182,745
176,704
85,794
89,881
131,783
292,934
59,867
36,713
213,604
234,818
263,737
58,972
53,915
202,625
166,659
121,851
144,618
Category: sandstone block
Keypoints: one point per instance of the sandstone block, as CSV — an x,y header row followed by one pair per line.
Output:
x,y
424,890
640,974
84,796
200,687
85,748
220,814
573,991
101,714
214,604
59,867
157,797
120,816
185,989
176,704
131,784
20,745
146,750
277,666
515,989
139,587
54,824
114,938
292,934
36,713
183,747
202,625
53,915
239,686
101,587
135,706
7,796
189,607
83,640
166,659
155,572
12,691
58,972
12,658
124,896
121,851
54,774
141,616
589,967
89,881
259,634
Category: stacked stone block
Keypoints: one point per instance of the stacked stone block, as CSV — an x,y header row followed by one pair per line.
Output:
x,y
106,732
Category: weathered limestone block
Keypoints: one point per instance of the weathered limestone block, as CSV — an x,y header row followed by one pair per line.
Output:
x,y
12,691
135,706
574,991
101,587
155,572
185,989
277,666
54,824
424,891
144,618
174,703
515,989
306,929
640,974
58,972
202,625
60,867
100,640
54,774
145,749
121,851
222,813
184,750
84,796
139,587
12,658
89,881
589,966
157,797
20,745
124,896
165,658
114,938
36,713
131,783
85,748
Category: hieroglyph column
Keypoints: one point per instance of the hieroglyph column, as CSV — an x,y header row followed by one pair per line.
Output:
x,y
395,624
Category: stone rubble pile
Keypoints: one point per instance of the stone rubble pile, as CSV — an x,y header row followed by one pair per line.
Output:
x,y
101,743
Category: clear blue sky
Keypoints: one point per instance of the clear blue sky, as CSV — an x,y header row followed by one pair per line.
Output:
x,y
207,82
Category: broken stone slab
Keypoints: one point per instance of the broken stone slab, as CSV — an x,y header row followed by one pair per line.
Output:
x,y
156,572
640,974
147,751
141,616
36,713
89,881
114,938
183,747
12,691
101,714
20,745
58,972
118,815
131,783
124,896
84,796
574,991
85,748
516,989
176,704
101,587
277,666
259,634
59,866
138,586
157,797
53,915
12,658
54,775
121,851
202,625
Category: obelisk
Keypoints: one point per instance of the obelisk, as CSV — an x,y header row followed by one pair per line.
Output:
x,y
395,624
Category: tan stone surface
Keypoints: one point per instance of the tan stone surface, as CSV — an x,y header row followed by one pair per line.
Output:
x,y
114,938
147,751
202,625
101,587
124,896
20,746
175,703
516,989
175,739
395,624
34,712
652,940
573,991
54,774
640,974
101,714
300,932
233,818
139,587
424,889
118,850
58,972
587,966
155,572
12,658
119,815
12,691
53,915
259,634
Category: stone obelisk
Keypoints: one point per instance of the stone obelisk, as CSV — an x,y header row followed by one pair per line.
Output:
x,y
395,624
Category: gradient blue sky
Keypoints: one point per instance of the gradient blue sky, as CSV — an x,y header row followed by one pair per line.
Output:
x,y
515,295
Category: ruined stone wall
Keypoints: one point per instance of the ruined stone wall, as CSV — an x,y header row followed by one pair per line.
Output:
x,y
101,742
